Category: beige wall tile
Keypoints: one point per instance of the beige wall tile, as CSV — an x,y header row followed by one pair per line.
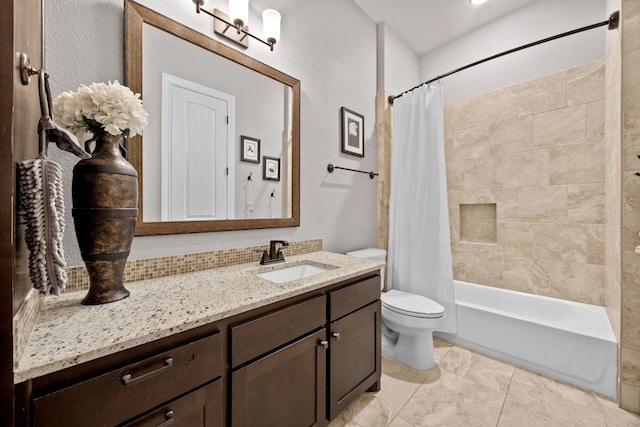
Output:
x,y
566,126
454,216
612,302
585,83
483,109
630,199
526,169
613,194
478,223
507,201
630,321
613,132
484,268
612,59
542,204
631,140
566,242
471,143
577,164
484,172
630,260
459,263
585,203
512,135
527,275
595,122
630,24
542,94
515,239
612,253
578,282
595,243
630,80
535,164
630,365
630,398
455,175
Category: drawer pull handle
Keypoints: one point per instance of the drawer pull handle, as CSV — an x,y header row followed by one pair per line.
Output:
x,y
324,344
168,419
336,335
128,379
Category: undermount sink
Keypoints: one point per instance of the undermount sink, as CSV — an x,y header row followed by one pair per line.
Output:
x,y
294,272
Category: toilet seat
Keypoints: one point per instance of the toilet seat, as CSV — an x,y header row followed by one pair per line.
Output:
x,y
411,304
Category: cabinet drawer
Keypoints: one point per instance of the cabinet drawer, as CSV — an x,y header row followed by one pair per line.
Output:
x,y
201,408
350,298
123,393
259,336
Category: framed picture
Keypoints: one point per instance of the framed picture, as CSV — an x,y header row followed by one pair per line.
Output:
x,y
270,168
249,149
352,132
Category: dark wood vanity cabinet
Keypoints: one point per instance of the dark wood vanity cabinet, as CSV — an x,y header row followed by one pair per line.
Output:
x,y
184,381
297,362
279,367
354,343
318,356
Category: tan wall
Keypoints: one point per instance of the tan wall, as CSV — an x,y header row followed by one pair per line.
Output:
x,y
613,183
536,150
630,207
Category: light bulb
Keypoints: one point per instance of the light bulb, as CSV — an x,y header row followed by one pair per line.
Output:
x,y
271,25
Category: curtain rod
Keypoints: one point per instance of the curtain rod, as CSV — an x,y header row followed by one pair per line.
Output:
x,y
612,23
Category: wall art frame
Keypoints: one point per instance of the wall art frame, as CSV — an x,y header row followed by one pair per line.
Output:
x,y
249,149
352,132
270,168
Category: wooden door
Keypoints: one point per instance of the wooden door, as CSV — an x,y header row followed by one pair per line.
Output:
x,y
285,388
20,31
354,356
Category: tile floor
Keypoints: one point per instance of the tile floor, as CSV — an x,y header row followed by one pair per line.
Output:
x,y
468,389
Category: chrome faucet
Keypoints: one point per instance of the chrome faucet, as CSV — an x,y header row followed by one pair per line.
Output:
x,y
274,254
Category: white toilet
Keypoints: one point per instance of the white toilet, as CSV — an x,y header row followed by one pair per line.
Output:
x,y
408,321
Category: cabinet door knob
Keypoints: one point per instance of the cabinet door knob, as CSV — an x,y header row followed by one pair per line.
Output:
x,y
168,419
324,344
336,335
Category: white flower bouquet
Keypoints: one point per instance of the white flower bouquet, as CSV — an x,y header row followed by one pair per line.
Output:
x,y
109,106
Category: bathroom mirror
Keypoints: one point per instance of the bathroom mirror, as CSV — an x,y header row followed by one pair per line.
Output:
x,y
221,151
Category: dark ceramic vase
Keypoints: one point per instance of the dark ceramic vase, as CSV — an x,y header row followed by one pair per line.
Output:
x,y
105,207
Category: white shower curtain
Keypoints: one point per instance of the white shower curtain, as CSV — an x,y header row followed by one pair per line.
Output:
x,y
419,258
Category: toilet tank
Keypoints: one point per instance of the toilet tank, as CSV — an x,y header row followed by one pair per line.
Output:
x,y
372,253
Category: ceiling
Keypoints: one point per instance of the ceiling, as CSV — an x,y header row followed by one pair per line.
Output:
x,y
427,24
424,24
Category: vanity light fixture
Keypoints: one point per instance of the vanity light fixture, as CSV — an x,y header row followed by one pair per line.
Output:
x,y
224,24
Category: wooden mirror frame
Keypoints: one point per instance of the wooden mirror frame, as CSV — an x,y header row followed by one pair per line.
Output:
x,y
135,16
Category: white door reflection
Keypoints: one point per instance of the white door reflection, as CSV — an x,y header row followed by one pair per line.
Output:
x,y
197,128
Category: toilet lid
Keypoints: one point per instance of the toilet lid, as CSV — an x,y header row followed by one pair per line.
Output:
x,y
411,304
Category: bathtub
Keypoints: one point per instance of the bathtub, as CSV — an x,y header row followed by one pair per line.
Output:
x,y
566,340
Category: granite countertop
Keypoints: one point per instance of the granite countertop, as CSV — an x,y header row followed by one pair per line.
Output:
x,y
68,333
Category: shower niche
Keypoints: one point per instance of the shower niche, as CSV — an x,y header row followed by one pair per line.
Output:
x,y
478,223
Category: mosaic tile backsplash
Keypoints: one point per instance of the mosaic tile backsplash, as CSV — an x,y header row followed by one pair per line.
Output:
x,y
142,269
